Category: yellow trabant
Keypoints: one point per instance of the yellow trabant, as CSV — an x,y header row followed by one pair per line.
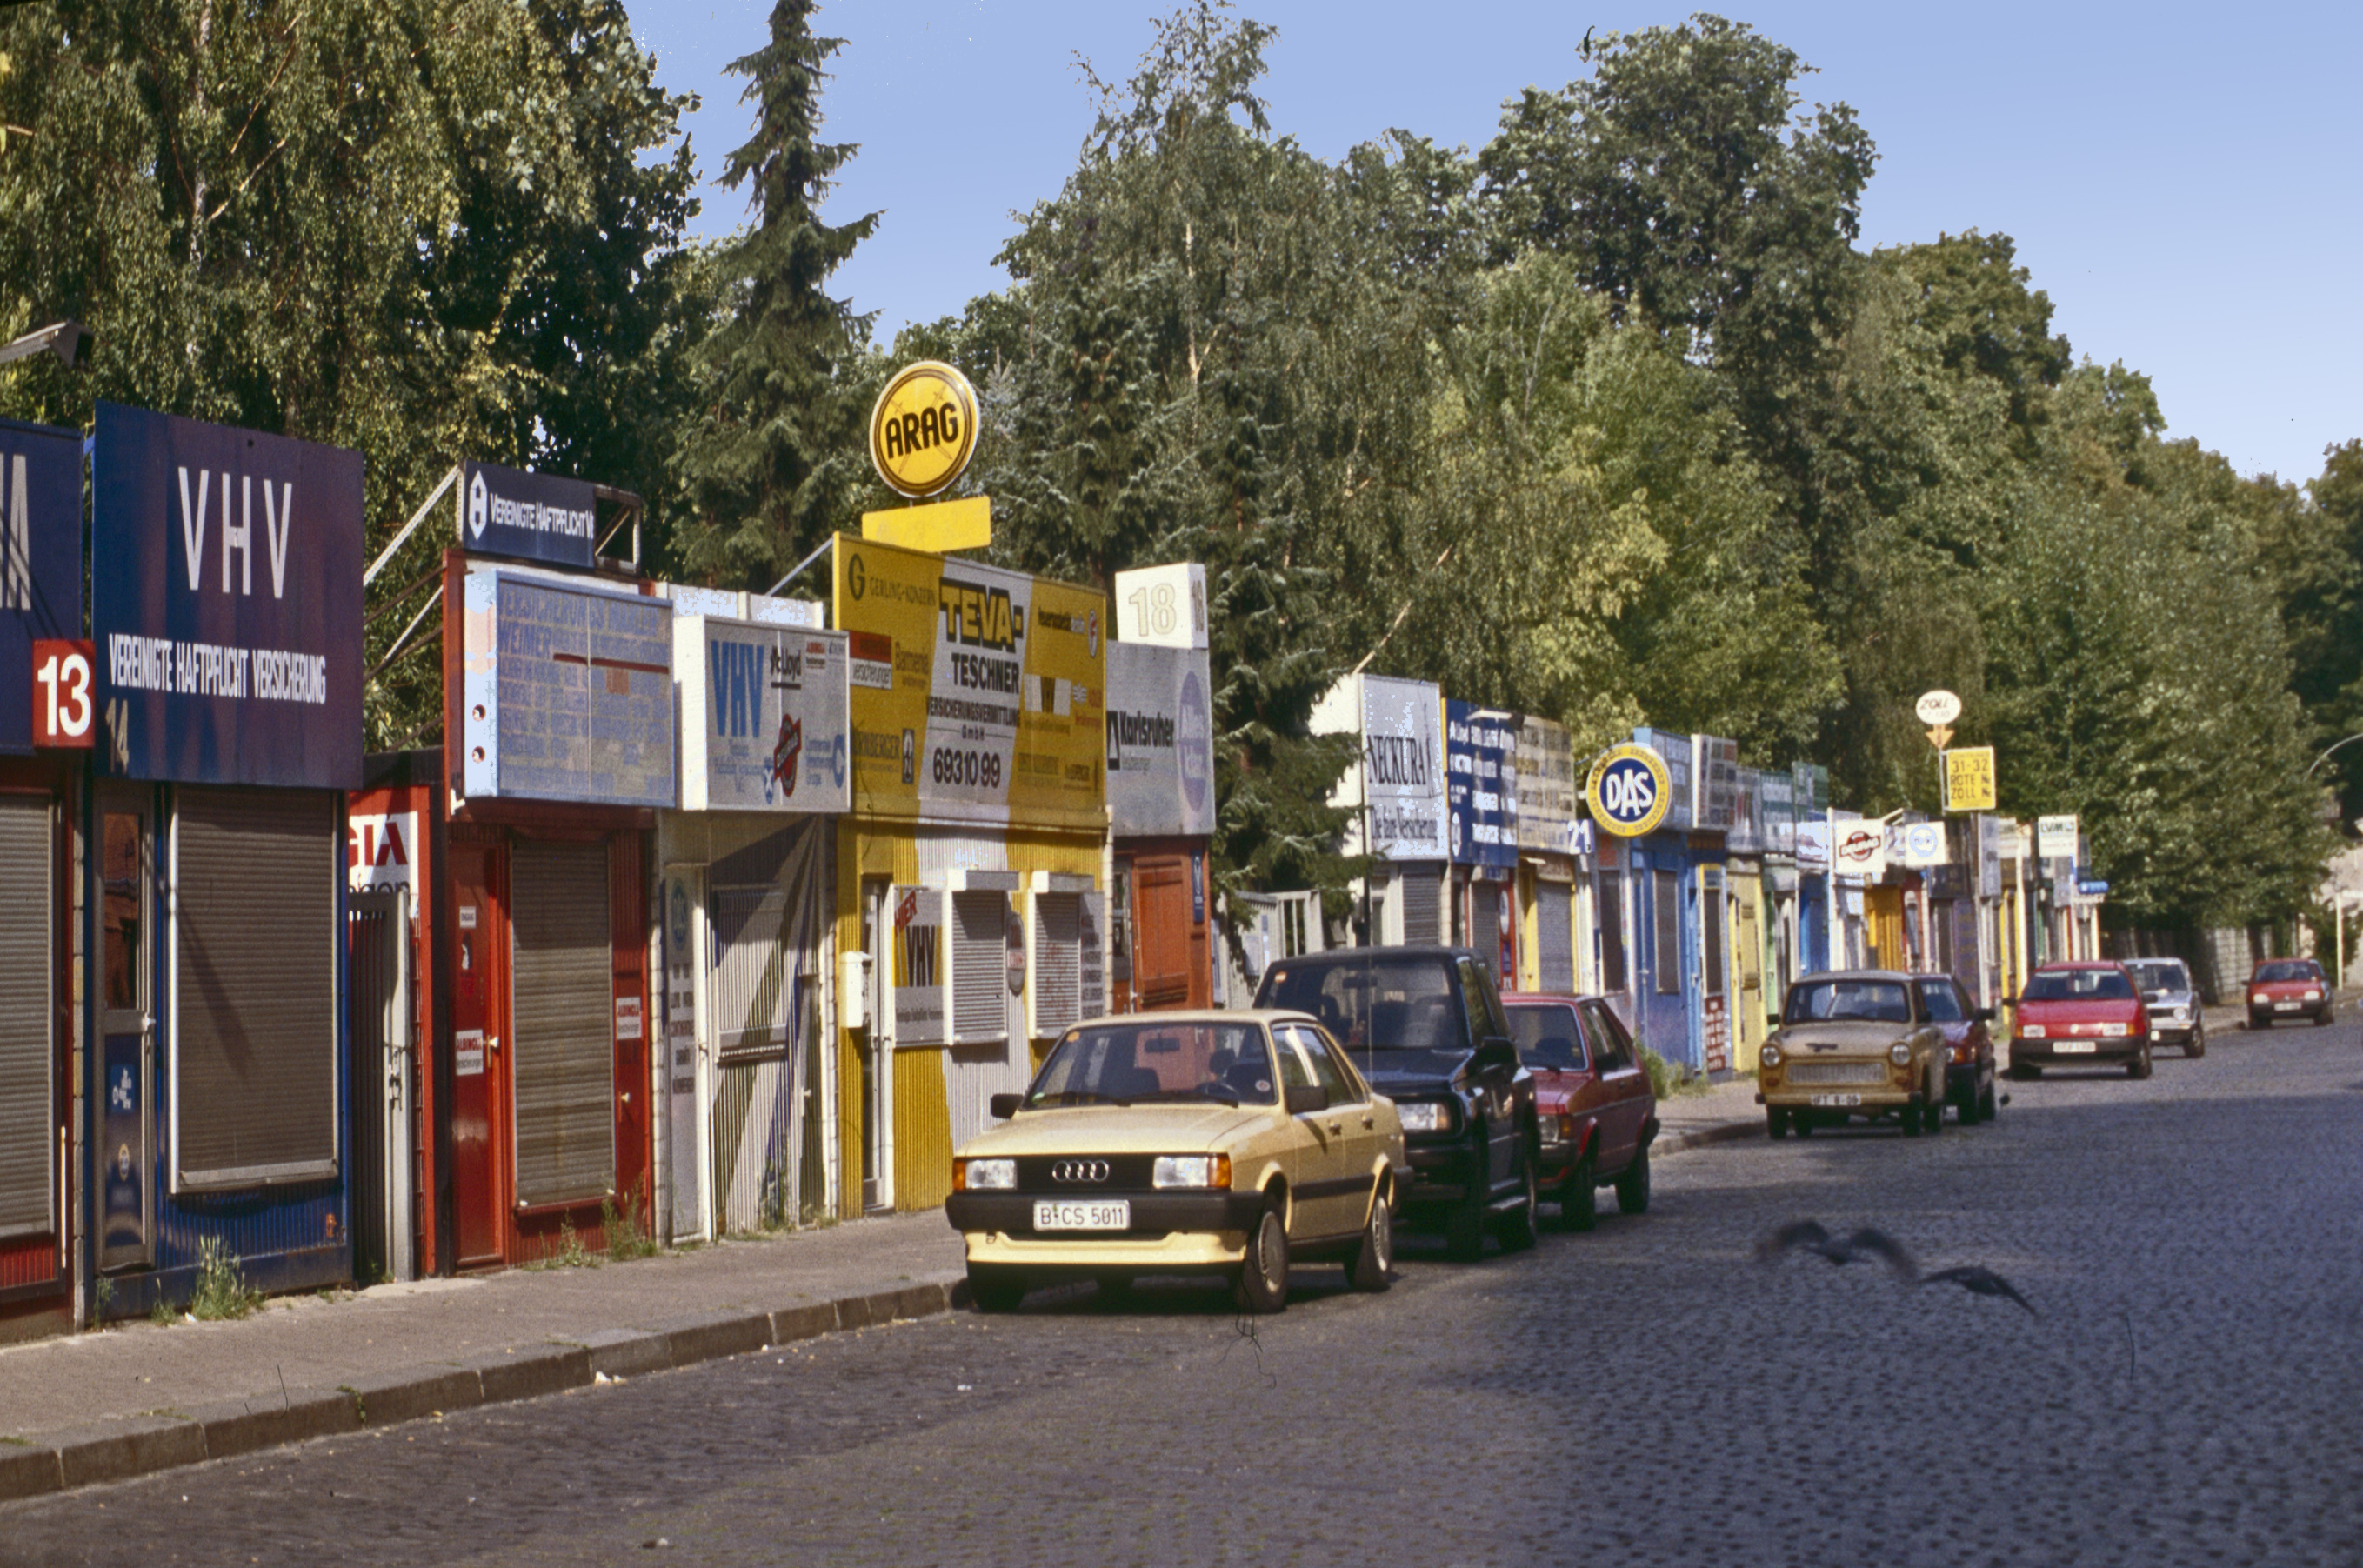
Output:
x,y
1226,1143
1854,1043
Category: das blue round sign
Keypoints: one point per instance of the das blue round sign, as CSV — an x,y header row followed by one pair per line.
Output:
x,y
1630,789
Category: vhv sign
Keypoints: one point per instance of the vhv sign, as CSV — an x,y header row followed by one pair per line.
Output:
x,y
1481,766
41,563
763,717
226,601
567,692
527,517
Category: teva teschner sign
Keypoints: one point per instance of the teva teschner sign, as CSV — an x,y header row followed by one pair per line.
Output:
x,y
40,581
1630,789
529,516
226,602
923,430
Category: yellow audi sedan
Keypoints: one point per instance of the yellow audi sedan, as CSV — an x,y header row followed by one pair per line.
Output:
x,y
1226,1143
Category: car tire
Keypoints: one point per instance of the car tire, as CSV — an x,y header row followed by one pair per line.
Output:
x,y
1989,1103
2197,1045
1371,1268
2139,1066
1970,1105
1580,1209
2025,1072
1932,1115
2322,1019
1801,1122
1632,1186
2257,1023
1776,1123
1263,1276
995,1290
1911,1119
1515,1229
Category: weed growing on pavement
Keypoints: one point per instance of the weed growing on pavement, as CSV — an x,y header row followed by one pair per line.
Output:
x,y
160,1314
571,1253
106,1296
628,1231
222,1291
1667,1080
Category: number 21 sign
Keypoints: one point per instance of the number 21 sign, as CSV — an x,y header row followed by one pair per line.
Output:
x,y
64,710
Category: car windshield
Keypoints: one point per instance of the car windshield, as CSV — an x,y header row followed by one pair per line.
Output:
x,y
1127,1062
1941,1002
1845,1001
2158,974
1395,1010
1546,1037
2079,985
2288,971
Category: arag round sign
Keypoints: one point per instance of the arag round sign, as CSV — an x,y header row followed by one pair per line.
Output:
x,y
923,430
1630,789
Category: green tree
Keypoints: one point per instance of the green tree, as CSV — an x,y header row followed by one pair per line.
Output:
x,y
774,454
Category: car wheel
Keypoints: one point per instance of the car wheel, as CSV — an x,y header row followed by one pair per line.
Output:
x,y
1911,1119
2198,1045
1987,1102
995,1290
1374,1256
2254,1022
1776,1122
1515,1229
1970,1105
1632,1186
2023,1071
2322,1017
2139,1066
1802,1122
1263,1276
1580,1209
1931,1114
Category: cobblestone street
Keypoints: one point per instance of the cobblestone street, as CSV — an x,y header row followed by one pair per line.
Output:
x,y
1645,1394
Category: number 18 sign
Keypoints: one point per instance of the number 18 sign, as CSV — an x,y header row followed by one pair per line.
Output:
x,y
63,711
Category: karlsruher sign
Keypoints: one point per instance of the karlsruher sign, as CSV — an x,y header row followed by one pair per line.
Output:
x,y
1160,742
40,570
529,516
226,602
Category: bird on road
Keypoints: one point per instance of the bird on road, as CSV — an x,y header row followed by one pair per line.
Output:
x,y
1860,1247
1980,1282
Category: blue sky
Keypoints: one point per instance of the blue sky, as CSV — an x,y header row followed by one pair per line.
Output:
x,y
2181,181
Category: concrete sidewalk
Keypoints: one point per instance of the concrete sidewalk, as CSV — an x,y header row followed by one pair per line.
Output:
x,y
139,1397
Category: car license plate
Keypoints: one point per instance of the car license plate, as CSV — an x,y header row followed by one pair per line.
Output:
x,y
2073,1047
1837,1099
1113,1213
2284,1007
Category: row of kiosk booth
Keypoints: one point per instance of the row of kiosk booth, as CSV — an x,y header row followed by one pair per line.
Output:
x,y
713,912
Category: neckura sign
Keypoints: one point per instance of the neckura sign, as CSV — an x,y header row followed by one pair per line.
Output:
x,y
40,564
226,601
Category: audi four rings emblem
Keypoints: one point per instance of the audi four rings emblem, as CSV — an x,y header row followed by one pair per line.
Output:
x,y
1079,1171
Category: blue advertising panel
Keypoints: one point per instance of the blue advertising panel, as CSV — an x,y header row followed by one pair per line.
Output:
x,y
568,693
529,516
1480,772
40,561
226,601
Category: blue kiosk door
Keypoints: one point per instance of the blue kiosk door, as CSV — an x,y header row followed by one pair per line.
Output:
x,y
125,1154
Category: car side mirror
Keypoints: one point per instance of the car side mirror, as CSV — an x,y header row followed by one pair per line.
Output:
x,y
1004,1106
1303,1099
1495,1054
1982,1015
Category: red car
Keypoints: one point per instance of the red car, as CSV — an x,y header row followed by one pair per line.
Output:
x,y
1593,1106
2077,1014
1968,1047
2288,988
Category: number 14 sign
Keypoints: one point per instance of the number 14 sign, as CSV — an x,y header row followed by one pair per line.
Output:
x,y
63,709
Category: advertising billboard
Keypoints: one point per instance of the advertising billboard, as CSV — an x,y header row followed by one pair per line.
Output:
x,y
41,571
527,517
226,602
1403,768
1160,742
1676,750
763,717
1480,766
1545,790
977,694
566,692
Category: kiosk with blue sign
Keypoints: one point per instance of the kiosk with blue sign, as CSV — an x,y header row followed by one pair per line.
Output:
x,y
1481,779
225,611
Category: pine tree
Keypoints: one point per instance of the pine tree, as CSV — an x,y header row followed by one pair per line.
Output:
x,y
774,452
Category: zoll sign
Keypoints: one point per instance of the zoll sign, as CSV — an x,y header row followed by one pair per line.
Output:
x,y
923,430
1939,707
1630,789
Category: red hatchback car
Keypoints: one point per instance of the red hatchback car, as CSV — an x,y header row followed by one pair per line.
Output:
x,y
2079,1014
1593,1106
2288,988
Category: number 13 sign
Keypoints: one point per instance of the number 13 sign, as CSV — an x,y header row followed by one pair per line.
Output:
x,y
63,709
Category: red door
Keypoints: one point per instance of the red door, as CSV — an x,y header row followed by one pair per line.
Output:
x,y
480,993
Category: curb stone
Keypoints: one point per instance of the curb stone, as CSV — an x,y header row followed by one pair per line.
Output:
x,y
409,1393
134,1445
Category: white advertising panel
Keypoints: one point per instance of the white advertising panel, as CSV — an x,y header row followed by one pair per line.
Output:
x,y
1160,742
1547,817
1162,605
1403,768
763,717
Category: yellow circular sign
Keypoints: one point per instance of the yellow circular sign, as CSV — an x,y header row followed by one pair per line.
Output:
x,y
923,429
1630,789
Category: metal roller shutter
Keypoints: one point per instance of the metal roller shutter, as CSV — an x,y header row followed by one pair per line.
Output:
x,y
1057,962
563,1006
1554,935
751,970
254,987
28,1080
1422,891
980,957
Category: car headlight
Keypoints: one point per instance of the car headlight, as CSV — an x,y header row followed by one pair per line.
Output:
x,y
2313,995
2116,1031
984,1175
1900,1054
2033,1031
1191,1171
1424,1116
1772,1056
2257,998
1552,1130
2178,1014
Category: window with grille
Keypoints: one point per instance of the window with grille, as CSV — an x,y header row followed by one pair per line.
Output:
x,y
980,966
1056,979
